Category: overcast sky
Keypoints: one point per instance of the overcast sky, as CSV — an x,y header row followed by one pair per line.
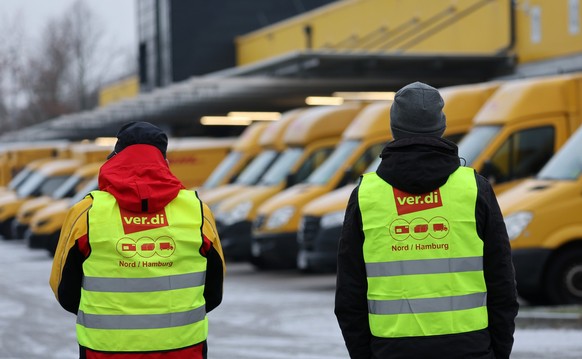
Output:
x,y
119,16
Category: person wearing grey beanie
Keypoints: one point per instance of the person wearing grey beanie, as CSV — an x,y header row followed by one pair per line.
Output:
x,y
417,110
424,267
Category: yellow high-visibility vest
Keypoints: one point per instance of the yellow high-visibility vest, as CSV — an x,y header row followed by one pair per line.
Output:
x,y
144,279
424,258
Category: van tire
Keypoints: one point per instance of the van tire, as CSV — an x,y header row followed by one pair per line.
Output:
x,y
563,280
535,299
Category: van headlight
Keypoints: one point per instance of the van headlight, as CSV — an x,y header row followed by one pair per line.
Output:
x,y
516,223
280,217
333,219
237,214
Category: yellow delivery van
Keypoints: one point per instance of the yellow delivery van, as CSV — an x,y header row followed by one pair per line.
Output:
x,y
543,217
309,140
183,154
274,237
45,224
21,176
271,146
15,156
42,182
322,218
67,189
242,152
521,126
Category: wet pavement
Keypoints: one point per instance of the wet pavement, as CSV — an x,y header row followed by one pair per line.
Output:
x,y
264,315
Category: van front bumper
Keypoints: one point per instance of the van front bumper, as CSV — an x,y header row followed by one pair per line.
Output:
x,y
318,249
235,240
18,229
277,251
36,241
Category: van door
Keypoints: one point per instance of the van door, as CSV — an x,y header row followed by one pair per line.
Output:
x,y
520,152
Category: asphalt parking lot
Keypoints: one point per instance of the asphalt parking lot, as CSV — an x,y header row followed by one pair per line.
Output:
x,y
264,315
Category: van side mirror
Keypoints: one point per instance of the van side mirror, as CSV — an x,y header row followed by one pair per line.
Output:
x,y
290,180
490,171
346,178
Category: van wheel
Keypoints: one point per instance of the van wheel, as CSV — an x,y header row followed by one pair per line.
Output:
x,y
564,278
535,299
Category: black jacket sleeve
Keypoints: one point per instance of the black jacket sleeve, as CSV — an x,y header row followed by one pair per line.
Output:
x,y
69,290
214,280
351,305
502,305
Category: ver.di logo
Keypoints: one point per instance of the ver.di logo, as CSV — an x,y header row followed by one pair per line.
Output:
x,y
146,247
137,222
410,203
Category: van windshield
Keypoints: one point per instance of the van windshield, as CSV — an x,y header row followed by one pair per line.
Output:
x,y
567,163
256,168
330,167
19,178
282,167
39,184
473,144
70,186
90,186
374,165
222,170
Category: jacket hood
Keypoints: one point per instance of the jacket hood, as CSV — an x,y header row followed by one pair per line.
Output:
x,y
140,179
418,164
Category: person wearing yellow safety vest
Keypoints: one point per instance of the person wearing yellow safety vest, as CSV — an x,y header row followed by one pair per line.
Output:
x,y
424,262
139,261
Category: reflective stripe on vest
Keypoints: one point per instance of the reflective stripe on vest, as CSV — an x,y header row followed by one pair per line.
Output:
x,y
97,284
144,279
148,321
424,259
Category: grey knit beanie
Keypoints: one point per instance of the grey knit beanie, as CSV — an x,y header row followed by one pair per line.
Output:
x,y
417,111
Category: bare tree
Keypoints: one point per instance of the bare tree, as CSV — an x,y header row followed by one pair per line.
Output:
x,y
62,73
44,85
88,57
11,68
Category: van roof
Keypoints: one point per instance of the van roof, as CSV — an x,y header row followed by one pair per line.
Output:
x,y
320,122
88,169
374,120
199,143
249,138
521,99
38,163
58,166
273,135
463,102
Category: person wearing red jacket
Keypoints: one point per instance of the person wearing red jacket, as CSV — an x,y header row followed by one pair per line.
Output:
x,y
139,261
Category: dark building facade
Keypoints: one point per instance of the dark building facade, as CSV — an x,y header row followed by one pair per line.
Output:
x,y
183,38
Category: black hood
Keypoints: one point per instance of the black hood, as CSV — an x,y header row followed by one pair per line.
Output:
x,y
418,164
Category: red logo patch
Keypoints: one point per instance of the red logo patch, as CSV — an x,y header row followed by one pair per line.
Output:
x,y
409,203
137,222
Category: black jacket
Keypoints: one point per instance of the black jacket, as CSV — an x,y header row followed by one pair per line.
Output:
x,y
419,165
